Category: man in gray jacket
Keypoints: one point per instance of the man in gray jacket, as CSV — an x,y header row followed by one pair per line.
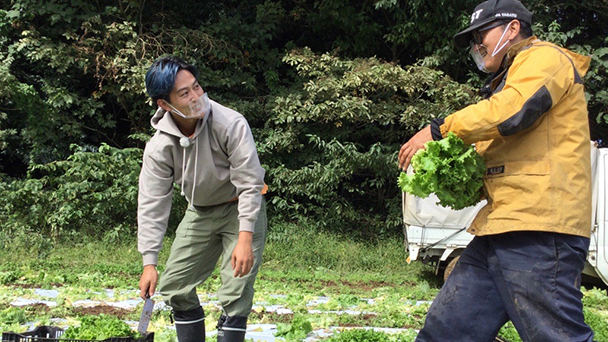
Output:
x,y
209,151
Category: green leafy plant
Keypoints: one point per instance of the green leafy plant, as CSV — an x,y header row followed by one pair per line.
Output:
x,y
99,328
299,328
597,321
369,335
91,194
13,315
360,335
450,169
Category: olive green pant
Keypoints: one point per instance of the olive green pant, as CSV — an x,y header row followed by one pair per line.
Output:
x,y
204,235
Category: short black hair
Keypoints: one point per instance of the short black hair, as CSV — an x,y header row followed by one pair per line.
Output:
x,y
525,29
160,78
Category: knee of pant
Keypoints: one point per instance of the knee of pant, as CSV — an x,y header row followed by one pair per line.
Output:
x,y
189,316
181,301
235,322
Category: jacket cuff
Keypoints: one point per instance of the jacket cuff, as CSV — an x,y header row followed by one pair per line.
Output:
x,y
435,128
150,258
246,226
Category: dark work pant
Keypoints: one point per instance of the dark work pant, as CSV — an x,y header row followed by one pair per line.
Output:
x,y
530,278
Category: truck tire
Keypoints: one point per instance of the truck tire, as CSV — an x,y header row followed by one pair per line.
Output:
x,y
449,268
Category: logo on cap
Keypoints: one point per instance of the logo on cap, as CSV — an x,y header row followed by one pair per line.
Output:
x,y
506,15
475,15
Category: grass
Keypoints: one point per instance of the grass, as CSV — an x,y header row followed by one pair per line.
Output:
x,y
300,265
293,257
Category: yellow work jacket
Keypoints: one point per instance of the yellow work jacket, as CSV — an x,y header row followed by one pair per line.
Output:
x,y
533,133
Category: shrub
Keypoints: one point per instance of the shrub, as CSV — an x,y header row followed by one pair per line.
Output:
x,y
331,144
93,192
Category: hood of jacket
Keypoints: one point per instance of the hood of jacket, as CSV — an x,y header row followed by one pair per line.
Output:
x,y
580,62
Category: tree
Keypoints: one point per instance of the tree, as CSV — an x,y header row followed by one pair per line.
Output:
x,y
331,142
330,88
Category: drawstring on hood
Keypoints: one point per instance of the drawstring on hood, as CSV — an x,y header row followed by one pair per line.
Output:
x,y
185,143
161,121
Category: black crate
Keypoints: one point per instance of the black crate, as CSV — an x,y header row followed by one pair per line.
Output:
x,y
52,334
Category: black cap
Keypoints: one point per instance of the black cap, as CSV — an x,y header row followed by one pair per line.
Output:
x,y
489,11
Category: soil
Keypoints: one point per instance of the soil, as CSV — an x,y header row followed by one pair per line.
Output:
x,y
104,309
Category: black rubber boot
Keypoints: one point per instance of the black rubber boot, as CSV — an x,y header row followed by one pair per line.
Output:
x,y
231,328
190,325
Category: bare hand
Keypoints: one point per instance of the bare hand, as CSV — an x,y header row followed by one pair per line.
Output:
x,y
148,281
413,145
242,256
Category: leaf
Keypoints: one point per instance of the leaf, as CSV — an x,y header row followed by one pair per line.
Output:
x,y
448,168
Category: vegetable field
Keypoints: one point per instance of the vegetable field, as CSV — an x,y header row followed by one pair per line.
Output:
x,y
312,286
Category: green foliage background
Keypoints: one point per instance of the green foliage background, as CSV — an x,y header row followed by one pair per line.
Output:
x,y
330,88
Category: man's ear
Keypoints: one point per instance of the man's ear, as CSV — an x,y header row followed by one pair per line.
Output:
x,y
514,29
163,104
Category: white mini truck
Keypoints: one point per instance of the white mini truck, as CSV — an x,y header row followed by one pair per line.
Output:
x,y
437,235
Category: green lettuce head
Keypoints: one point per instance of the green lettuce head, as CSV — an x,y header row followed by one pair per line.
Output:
x,y
450,169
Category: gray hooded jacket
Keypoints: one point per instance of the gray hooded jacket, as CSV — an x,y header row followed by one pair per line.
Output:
x,y
217,164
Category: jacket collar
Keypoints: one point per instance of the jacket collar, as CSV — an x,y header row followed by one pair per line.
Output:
x,y
517,48
509,57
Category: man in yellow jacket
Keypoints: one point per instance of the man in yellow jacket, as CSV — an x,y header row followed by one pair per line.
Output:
x,y
531,239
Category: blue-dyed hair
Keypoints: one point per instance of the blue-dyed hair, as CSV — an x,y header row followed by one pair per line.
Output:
x,y
160,78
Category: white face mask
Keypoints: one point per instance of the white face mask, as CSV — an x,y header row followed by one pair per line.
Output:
x,y
197,109
478,55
